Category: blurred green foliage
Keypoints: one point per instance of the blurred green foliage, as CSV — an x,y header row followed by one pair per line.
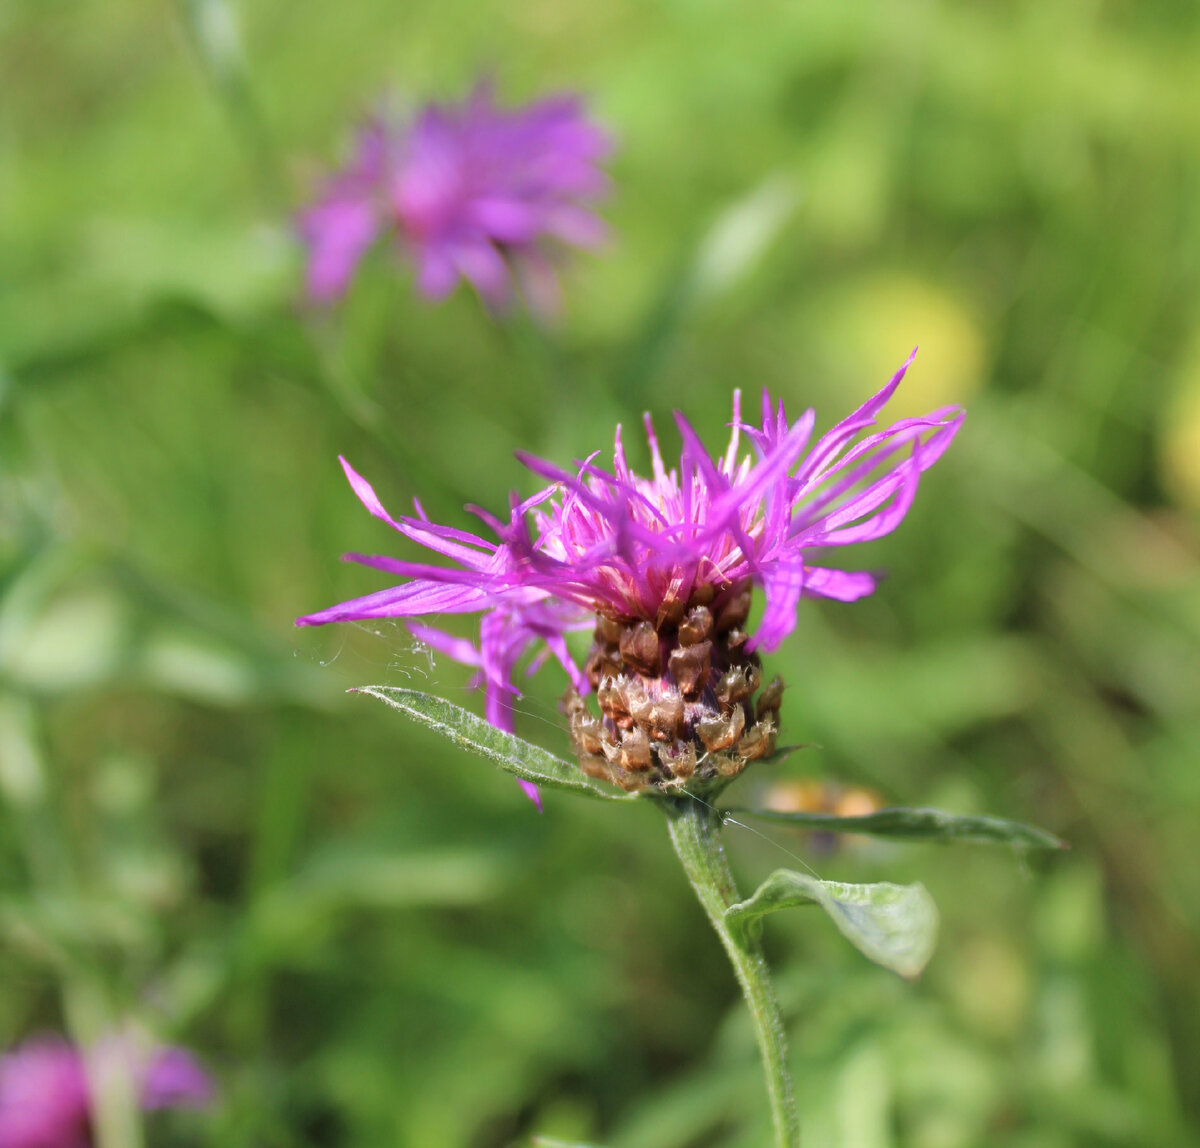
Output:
x,y
377,941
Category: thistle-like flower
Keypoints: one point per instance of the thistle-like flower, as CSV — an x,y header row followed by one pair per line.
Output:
x,y
663,570
45,1088
472,192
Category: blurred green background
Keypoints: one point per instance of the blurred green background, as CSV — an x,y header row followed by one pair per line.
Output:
x,y
375,941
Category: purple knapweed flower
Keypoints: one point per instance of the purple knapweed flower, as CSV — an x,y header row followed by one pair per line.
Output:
x,y
470,191
45,1090
663,567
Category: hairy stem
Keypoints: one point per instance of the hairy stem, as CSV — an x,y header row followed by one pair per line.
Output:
x,y
695,830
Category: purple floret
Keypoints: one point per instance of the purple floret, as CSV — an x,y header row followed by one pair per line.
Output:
x,y
629,547
472,192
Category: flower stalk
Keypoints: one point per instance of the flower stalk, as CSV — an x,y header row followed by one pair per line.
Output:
x,y
695,829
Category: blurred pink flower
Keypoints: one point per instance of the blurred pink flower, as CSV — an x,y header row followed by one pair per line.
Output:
x,y
45,1099
470,191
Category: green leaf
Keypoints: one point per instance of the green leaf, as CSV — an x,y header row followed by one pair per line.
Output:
x,y
920,824
521,758
895,925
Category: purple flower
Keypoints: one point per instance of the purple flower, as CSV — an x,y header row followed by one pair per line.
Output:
x,y
469,192
45,1098
644,551
173,1078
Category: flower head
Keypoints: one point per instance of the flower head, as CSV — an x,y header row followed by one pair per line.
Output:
x,y
663,567
43,1097
45,1090
468,191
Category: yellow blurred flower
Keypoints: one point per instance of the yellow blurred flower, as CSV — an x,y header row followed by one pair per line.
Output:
x,y
866,324
1179,447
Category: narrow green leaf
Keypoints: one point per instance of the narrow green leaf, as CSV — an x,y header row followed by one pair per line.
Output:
x,y
921,824
521,758
894,925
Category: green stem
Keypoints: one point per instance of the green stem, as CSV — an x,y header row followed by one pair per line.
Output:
x,y
116,1116
696,834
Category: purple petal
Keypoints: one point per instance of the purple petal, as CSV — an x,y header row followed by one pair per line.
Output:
x,y
783,583
762,478
505,220
473,552
174,1079
438,275
841,585
338,235
485,270
409,600
904,490
476,575
877,402
531,791
366,493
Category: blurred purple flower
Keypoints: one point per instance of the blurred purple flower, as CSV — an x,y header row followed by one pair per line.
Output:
x,y
469,191
173,1078
615,544
45,1097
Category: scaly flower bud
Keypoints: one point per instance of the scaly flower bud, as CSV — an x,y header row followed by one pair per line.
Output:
x,y
683,717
